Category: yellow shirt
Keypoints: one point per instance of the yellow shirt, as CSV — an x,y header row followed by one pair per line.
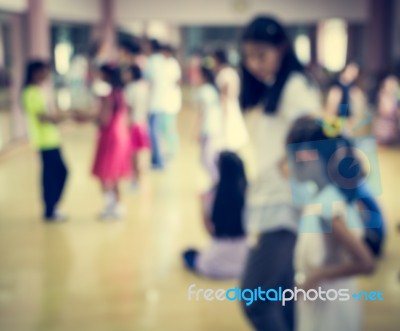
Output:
x,y
43,135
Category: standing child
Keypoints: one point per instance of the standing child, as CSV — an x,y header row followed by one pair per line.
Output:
x,y
43,132
228,82
222,214
113,146
174,104
137,97
334,253
346,99
387,123
210,122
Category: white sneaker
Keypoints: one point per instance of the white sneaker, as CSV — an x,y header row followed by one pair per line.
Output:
x,y
134,187
58,217
113,213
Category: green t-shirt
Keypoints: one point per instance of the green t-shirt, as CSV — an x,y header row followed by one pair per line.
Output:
x,y
43,135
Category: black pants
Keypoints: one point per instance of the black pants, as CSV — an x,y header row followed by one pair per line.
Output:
x,y
270,265
54,175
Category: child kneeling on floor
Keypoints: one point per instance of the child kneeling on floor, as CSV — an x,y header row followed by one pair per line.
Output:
x,y
225,256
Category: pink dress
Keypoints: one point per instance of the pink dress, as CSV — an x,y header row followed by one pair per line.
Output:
x,y
112,160
140,138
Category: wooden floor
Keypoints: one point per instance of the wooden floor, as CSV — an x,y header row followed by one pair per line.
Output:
x,y
85,275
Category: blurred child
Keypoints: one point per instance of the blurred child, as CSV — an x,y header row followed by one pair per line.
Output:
x,y
113,146
222,214
334,253
228,82
387,124
174,104
346,100
210,122
43,132
137,97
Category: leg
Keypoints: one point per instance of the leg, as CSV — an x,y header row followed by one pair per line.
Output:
x,y
61,174
171,134
270,265
209,154
54,175
174,134
135,166
47,184
154,126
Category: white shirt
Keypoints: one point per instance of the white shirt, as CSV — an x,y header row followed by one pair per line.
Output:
x,y
174,75
235,133
321,248
228,77
157,73
269,200
137,98
208,101
315,247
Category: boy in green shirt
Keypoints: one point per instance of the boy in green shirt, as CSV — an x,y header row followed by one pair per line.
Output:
x,y
45,137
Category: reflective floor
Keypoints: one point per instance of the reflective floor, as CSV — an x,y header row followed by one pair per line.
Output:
x,y
127,275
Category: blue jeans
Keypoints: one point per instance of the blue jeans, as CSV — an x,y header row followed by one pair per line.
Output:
x,y
170,134
155,126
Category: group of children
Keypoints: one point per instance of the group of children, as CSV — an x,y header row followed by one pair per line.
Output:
x,y
328,258
336,241
122,108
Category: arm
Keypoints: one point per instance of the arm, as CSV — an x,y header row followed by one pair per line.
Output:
x,y
224,93
333,102
101,116
362,260
55,118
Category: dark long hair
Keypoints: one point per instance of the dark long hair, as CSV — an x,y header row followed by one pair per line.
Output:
x,y
136,72
221,56
308,133
112,76
32,68
267,30
227,211
208,75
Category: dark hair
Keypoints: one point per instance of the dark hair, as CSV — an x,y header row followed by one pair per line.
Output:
x,y
221,56
208,75
130,46
253,92
112,75
308,133
227,211
136,72
155,46
32,68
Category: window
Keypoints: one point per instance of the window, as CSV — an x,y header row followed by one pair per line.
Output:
x,y
302,46
332,44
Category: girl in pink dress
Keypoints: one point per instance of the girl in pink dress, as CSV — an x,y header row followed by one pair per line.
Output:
x,y
137,96
112,158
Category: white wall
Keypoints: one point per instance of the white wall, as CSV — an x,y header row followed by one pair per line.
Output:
x,y
12,5
198,12
70,10
239,11
74,10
